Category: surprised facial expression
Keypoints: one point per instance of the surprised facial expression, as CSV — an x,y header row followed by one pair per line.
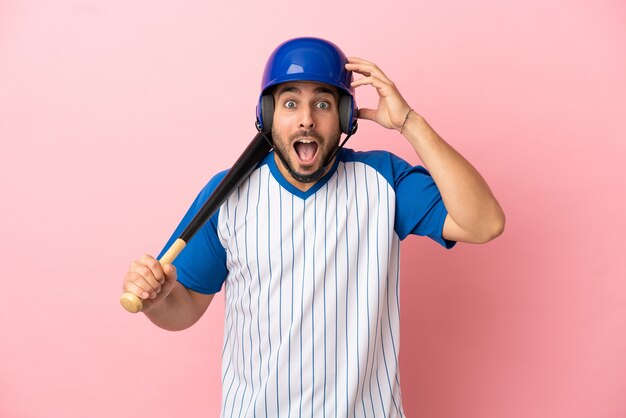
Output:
x,y
305,129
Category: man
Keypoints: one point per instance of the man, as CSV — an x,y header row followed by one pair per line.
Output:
x,y
307,247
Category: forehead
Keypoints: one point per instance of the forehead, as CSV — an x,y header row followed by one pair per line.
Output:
x,y
306,87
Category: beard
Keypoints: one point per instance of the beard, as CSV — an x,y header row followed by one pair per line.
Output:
x,y
327,147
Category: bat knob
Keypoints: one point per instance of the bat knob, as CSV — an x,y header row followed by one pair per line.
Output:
x,y
130,302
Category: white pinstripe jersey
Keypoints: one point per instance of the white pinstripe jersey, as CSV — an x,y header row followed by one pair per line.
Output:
x,y
312,285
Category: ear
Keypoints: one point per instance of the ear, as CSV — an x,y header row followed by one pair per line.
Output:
x,y
267,112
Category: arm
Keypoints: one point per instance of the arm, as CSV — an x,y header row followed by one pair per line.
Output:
x,y
167,303
474,214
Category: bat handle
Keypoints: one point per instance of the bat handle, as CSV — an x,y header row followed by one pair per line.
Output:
x,y
133,303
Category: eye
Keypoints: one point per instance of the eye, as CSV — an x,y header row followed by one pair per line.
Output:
x,y
290,104
323,105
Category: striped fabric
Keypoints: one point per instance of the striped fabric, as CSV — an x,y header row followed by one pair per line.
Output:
x,y
311,284
312,298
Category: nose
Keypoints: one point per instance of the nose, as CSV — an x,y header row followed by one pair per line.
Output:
x,y
307,119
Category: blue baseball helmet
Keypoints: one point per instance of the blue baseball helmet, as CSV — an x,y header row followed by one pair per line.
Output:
x,y
307,59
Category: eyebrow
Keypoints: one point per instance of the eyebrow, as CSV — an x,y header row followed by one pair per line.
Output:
x,y
318,89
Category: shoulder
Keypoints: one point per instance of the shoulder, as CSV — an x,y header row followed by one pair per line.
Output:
x,y
389,165
209,187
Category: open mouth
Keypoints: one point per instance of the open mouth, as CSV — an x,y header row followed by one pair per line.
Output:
x,y
306,149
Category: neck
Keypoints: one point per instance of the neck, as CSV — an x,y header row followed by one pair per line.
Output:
x,y
302,181
299,181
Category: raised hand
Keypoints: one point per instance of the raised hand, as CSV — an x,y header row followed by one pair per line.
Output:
x,y
392,109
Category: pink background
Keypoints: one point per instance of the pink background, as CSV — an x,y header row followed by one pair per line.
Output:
x,y
113,114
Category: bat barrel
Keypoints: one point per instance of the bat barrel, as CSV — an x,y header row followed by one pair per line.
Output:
x,y
247,162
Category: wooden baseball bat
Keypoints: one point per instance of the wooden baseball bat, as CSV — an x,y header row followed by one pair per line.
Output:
x,y
245,164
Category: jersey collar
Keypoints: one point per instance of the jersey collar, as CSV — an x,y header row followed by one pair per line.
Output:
x,y
271,162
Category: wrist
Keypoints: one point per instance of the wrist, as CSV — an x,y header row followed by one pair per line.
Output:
x,y
406,118
412,118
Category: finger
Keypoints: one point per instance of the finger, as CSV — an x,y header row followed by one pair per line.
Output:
x,y
170,274
135,284
146,283
367,69
357,60
170,278
152,285
156,268
170,271
369,72
373,81
356,68
368,114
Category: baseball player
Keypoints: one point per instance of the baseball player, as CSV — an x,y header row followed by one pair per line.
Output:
x,y
307,248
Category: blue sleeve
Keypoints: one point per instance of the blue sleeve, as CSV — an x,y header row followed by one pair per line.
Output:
x,y
201,266
419,207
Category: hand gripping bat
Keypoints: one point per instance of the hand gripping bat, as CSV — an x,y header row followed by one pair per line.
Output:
x,y
245,164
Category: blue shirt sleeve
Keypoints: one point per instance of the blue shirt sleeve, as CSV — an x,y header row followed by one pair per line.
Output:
x,y
201,266
419,206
